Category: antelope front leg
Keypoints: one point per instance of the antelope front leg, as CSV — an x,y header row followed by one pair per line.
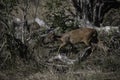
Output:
x,y
62,45
87,52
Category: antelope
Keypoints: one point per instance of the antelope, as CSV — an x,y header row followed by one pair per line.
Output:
x,y
88,36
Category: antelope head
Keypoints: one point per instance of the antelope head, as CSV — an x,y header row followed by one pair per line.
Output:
x,y
51,36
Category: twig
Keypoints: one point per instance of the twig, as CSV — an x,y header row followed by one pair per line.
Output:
x,y
57,65
2,45
4,60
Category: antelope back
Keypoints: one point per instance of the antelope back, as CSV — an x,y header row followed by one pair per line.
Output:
x,y
80,35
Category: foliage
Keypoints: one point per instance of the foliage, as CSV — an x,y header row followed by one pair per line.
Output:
x,y
10,47
6,6
114,20
95,10
58,16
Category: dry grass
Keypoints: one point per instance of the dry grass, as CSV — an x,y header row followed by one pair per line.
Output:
x,y
99,66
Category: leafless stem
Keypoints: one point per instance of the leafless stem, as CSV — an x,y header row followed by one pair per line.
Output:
x,y
3,45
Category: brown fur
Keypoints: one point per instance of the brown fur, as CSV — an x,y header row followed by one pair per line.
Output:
x,y
87,36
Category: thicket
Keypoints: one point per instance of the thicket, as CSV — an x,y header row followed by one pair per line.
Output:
x,y
17,55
